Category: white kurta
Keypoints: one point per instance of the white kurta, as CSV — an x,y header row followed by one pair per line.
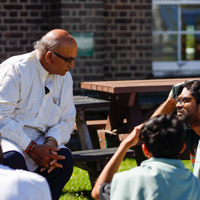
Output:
x,y
26,113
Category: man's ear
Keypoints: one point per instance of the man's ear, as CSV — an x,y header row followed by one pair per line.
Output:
x,y
145,150
49,57
183,148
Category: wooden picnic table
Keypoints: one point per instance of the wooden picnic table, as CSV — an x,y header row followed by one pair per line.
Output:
x,y
124,114
88,157
125,111
82,103
133,86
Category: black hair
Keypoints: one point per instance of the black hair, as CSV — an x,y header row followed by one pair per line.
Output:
x,y
194,88
164,136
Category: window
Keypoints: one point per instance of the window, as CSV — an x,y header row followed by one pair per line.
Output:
x,y
176,38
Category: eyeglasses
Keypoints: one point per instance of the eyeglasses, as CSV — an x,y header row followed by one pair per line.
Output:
x,y
183,100
69,60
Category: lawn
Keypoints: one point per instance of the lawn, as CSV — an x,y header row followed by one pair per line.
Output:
x,y
79,187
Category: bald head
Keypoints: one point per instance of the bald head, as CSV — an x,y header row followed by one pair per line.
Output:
x,y
54,39
57,51
57,34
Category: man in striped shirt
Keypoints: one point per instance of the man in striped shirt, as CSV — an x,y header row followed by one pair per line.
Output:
x,y
37,113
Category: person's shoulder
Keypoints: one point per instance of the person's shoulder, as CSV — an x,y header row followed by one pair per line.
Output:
x,y
34,184
30,176
15,63
129,174
18,58
139,173
26,185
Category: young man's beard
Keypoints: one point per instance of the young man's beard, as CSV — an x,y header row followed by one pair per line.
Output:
x,y
182,118
191,120
181,115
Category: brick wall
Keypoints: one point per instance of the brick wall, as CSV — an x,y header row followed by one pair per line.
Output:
x,y
21,23
121,28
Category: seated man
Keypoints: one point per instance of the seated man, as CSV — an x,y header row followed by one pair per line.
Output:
x,y
22,185
37,113
162,176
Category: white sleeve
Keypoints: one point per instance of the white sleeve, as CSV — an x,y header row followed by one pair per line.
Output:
x,y
9,98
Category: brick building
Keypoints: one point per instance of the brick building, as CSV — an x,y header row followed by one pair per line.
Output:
x,y
120,31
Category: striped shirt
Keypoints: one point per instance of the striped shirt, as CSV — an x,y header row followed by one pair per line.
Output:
x,y
26,112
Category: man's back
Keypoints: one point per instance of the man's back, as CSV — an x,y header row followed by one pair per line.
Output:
x,y
22,185
156,179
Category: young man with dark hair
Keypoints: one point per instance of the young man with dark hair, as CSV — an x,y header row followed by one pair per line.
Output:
x,y
185,98
162,176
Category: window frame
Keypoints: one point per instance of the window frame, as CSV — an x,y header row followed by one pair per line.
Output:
x,y
178,68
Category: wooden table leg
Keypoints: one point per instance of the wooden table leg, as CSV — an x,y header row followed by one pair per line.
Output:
x,y
134,114
83,132
124,107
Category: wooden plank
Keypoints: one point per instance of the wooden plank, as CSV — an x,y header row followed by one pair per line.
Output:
x,y
89,102
133,86
97,154
177,80
94,124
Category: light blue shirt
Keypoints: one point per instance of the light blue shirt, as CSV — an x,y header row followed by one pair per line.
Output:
x,y
156,179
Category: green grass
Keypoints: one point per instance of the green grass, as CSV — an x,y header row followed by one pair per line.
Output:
x,y
188,165
79,187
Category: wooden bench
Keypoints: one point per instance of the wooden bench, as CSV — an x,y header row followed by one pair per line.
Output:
x,y
83,103
94,160
88,158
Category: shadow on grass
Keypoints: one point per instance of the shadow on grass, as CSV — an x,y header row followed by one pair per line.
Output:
x,y
82,194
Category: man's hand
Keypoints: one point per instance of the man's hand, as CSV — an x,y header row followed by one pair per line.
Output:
x,y
46,156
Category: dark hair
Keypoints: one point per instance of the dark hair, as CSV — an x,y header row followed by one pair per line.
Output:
x,y
194,88
164,136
